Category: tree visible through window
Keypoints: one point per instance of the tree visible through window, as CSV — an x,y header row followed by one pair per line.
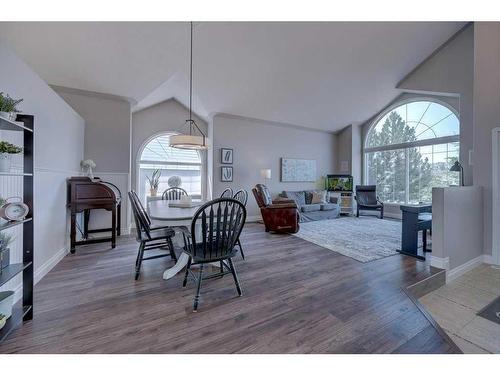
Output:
x,y
157,154
410,149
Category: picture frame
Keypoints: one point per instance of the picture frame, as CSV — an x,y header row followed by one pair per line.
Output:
x,y
226,174
298,170
226,155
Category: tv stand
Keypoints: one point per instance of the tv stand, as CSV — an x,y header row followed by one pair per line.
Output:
x,y
345,199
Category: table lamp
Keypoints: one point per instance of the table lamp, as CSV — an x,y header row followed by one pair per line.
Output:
x,y
265,174
457,167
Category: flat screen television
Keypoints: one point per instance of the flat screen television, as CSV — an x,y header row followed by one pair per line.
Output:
x,y
339,182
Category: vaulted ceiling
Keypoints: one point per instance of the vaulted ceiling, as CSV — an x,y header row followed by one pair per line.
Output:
x,y
320,75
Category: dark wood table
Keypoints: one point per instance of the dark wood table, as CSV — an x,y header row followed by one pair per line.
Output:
x,y
415,218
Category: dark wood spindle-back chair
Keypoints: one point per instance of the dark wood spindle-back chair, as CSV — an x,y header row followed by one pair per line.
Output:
x,y
173,193
241,196
150,237
227,193
221,222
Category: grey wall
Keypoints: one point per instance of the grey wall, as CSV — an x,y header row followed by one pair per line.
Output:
x,y
166,116
451,71
107,142
343,151
486,113
260,144
59,133
457,228
107,128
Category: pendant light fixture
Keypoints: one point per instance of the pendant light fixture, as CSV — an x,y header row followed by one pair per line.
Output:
x,y
195,139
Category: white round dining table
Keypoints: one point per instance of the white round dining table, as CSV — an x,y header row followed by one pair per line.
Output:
x,y
160,212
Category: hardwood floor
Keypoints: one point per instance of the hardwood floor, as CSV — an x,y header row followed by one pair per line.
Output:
x,y
297,298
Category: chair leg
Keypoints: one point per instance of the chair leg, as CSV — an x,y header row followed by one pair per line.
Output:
x,y
357,211
198,288
172,251
233,271
382,213
138,262
241,249
188,266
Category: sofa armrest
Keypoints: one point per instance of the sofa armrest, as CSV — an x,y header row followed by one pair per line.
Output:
x,y
281,206
283,201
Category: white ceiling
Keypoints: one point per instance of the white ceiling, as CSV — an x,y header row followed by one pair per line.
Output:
x,y
319,75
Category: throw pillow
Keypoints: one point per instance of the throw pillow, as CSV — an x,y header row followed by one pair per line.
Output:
x,y
316,197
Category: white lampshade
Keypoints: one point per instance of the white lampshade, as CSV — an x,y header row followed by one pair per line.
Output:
x,y
191,142
265,173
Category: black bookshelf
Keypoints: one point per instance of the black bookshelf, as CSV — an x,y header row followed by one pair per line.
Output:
x,y
24,310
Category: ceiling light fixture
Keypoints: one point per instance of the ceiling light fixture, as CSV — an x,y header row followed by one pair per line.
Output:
x,y
190,141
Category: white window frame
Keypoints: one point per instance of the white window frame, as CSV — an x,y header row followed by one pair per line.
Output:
x,y
407,145
138,161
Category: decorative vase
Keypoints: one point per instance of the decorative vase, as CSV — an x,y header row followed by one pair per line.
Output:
x,y
5,162
5,115
90,173
153,192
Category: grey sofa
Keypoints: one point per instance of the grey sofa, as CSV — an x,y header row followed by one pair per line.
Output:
x,y
328,209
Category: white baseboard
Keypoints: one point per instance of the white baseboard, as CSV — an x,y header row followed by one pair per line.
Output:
x,y
442,263
41,271
464,268
488,259
45,268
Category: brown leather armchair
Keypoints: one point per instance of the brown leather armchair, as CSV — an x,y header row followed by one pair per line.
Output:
x,y
279,215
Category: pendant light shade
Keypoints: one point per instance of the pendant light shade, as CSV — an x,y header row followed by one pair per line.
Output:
x,y
195,139
191,142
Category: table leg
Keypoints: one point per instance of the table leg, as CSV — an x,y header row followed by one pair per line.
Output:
x,y
172,271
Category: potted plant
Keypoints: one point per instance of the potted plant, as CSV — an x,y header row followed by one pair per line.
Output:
x,y
154,182
8,106
6,151
89,165
5,241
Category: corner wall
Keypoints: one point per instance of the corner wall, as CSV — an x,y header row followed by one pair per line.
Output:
x,y
486,114
59,138
259,144
107,142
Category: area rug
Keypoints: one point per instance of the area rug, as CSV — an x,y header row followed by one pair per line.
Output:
x,y
364,239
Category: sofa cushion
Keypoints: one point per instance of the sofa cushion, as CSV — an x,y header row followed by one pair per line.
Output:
x,y
329,206
317,197
310,207
298,196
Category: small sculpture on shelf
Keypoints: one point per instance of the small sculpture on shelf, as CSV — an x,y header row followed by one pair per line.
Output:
x,y
88,165
8,107
6,151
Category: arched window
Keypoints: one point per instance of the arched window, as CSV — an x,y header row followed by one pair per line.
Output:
x,y
157,154
409,150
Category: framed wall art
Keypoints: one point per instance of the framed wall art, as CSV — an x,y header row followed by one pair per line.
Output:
x,y
226,155
226,174
298,170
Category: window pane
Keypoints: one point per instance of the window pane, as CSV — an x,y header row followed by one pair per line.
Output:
x,y
190,176
158,154
159,149
387,170
413,121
